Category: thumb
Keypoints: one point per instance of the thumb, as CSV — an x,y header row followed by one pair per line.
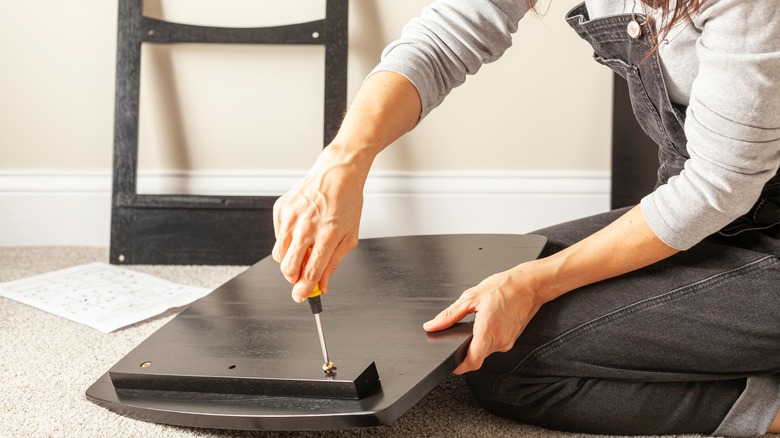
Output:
x,y
302,289
449,316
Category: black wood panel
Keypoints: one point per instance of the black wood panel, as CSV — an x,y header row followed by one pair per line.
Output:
x,y
271,377
377,302
192,235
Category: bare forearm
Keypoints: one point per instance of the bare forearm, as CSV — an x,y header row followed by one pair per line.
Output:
x,y
317,221
385,108
624,246
505,302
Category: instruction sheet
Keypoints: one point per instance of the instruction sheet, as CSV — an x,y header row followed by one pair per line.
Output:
x,y
101,296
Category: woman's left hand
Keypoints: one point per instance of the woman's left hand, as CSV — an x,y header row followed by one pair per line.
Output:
x,y
503,304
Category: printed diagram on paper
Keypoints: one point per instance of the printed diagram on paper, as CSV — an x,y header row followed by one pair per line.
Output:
x,y
100,295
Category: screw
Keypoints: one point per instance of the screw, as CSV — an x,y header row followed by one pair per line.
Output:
x,y
145,364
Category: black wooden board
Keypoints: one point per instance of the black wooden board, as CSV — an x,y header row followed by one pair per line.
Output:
x,y
379,298
265,376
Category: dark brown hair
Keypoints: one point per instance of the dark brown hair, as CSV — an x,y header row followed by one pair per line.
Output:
x,y
670,15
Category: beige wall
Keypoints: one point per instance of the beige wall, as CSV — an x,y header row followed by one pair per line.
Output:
x,y
544,106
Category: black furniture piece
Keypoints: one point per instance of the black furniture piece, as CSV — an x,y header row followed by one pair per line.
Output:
x,y
634,154
205,367
192,229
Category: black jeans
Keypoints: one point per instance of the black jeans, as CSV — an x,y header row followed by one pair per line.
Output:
x,y
666,349
688,345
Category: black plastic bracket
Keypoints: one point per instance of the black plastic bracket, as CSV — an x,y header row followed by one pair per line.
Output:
x,y
197,229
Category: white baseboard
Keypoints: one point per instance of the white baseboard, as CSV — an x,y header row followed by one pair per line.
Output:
x,y
74,208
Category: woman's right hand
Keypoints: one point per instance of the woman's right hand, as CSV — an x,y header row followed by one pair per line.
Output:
x,y
321,213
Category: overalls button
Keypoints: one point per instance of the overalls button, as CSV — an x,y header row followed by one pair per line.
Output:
x,y
634,30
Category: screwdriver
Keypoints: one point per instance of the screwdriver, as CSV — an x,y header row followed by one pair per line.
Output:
x,y
315,304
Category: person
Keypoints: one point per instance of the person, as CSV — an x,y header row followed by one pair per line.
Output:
x,y
657,319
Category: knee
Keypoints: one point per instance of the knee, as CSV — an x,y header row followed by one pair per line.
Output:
x,y
528,400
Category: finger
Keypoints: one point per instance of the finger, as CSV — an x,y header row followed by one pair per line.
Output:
x,y
481,346
312,269
293,260
345,246
277,211
302,290
282,230
452,314
281,246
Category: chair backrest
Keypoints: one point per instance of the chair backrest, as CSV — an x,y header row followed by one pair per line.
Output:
x,y
634,154
197,229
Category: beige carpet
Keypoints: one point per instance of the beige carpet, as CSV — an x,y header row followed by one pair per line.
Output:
x,y
47,363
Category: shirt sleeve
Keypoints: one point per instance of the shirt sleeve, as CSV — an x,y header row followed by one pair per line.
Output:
x,y
732,124
449,40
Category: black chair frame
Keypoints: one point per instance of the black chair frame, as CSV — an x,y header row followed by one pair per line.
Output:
x,y
200,229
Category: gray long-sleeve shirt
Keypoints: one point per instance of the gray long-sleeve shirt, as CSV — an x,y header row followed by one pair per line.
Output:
x,y
724,65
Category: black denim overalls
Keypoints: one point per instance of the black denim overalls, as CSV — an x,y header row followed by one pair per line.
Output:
x,y
690,344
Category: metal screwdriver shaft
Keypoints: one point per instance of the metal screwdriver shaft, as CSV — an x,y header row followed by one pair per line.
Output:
x,y
315,304
322,338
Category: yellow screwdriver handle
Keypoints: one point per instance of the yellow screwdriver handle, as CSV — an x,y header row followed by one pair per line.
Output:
x,y
316,291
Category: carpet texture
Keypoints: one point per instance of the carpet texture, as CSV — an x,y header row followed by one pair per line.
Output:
x,y
47,363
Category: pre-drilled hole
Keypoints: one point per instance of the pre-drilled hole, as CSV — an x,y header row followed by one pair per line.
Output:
x,y
231,367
